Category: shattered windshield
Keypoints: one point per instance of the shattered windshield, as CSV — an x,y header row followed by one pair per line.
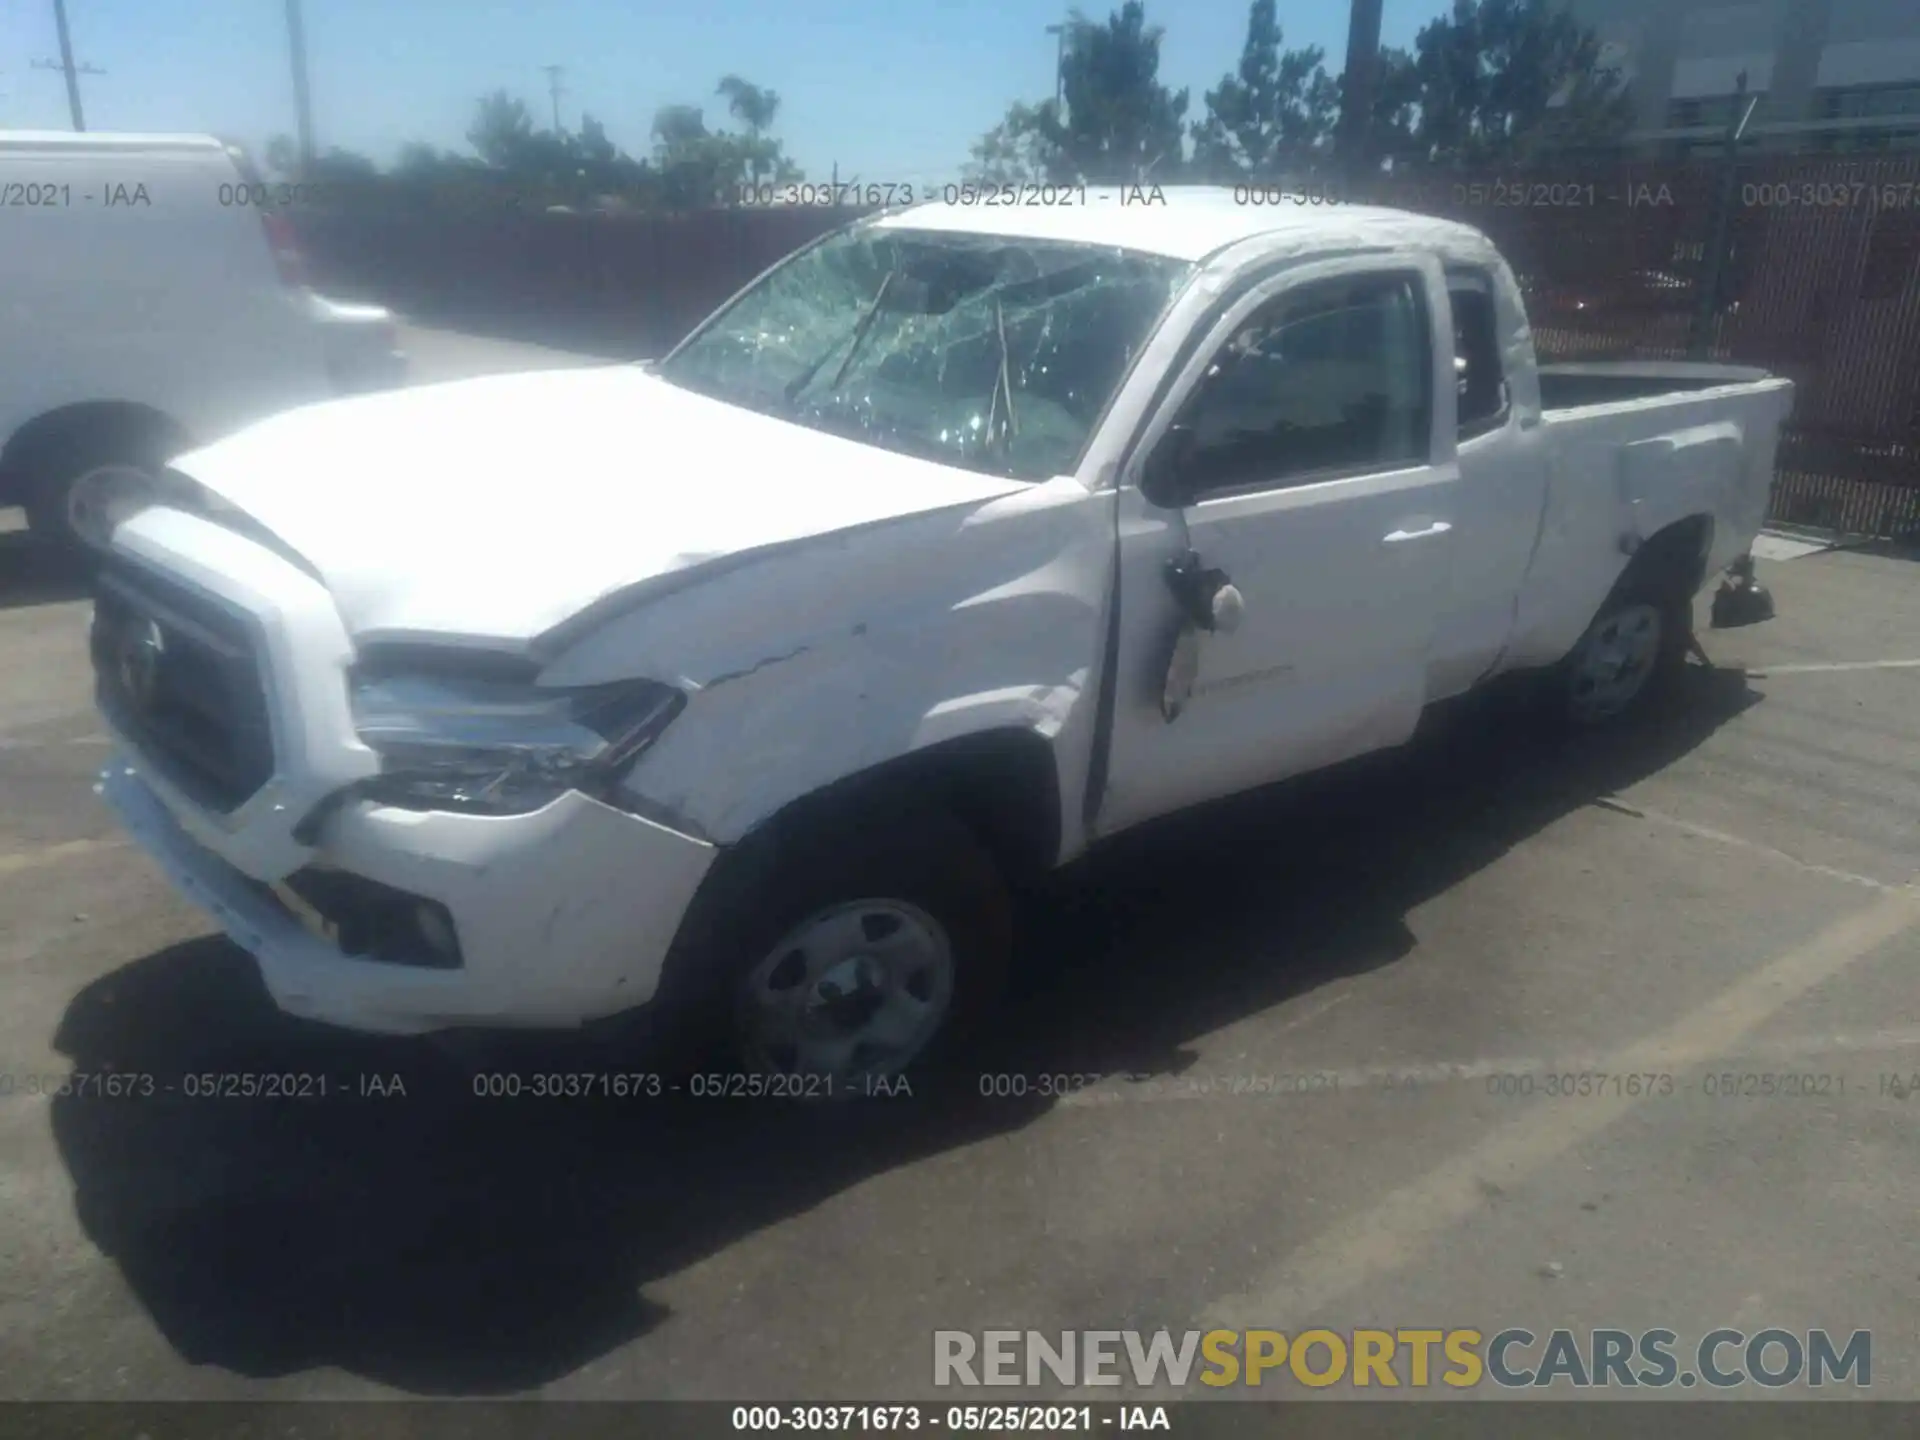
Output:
x,y
985,352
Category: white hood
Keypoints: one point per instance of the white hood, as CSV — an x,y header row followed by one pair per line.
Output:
x,y
502,506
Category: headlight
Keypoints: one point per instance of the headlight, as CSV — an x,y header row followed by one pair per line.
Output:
x,y
503,747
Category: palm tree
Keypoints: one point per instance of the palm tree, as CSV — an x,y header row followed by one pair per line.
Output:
x,y
753,106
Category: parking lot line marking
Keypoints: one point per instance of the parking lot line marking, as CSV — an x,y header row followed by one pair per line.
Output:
x,y
7,742
1763,671
46,855
1786,547
1391,1233
1707,832
1325,1082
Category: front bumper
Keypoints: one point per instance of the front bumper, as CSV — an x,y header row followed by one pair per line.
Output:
x,y
563,916
362,345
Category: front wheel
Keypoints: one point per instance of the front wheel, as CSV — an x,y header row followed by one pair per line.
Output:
x,y
866,953
1632,652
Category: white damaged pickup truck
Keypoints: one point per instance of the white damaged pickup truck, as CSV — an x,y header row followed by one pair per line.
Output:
x,y
743,685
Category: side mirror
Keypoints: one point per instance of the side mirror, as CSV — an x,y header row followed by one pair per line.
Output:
x,y
1164,477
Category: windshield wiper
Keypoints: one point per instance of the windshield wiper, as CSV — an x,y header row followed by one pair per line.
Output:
x,y
1002,385
1006,368
865,323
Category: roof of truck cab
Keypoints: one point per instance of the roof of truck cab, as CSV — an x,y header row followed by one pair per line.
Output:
x,y
120,140
1182,222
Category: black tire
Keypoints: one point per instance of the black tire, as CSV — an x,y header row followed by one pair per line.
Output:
x,y
918,854
1639,605
51,467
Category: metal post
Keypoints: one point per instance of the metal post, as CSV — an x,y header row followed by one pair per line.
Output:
x,y
554,90
1059,32
1363,67
1714,262
302,97
66,63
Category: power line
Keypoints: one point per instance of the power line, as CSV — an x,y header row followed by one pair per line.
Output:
x,y
67,67
555,89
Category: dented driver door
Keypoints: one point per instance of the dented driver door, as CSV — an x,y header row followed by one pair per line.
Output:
x,y
1285,539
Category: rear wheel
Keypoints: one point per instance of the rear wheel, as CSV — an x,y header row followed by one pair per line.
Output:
x,y
1629,656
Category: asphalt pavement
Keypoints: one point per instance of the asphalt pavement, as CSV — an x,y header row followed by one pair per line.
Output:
x,y
1291,1061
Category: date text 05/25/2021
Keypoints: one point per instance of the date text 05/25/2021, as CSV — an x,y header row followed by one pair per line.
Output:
x,y
877,194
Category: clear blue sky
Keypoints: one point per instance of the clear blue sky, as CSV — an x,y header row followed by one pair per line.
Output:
x,y
890,89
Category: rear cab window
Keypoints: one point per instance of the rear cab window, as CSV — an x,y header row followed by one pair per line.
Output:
x,y
1480,381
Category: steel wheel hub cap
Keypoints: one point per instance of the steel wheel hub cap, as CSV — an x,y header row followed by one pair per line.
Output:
x,y
855,990
1616,662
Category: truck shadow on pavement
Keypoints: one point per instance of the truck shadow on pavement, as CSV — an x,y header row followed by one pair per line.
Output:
x,y
35,574
444,1244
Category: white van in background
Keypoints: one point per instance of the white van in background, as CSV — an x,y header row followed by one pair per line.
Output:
x,y
149,303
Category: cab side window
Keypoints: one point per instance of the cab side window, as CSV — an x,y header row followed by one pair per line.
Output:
x,y
1480,381
1326,380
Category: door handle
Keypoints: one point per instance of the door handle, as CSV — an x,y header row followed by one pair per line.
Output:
x,y
1398,537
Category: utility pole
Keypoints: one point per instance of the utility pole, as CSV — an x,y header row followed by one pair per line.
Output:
x,y
73,72
1714,262
302,96
1363,66
555,90
1059,32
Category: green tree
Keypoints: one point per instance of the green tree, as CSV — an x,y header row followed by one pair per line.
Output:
x,y
1272,117
418,160
340,167
689,159
679,128
697,166
502,131
1015,151
1120,124
546,167
1511,80
748,103
1396,111
761,157
517,162
593,146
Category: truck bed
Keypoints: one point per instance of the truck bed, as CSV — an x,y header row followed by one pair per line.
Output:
x,y
1571,386
1639,447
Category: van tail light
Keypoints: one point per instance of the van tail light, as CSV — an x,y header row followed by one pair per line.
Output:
x,y
285,246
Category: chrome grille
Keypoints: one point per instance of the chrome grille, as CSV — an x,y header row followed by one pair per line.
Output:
x,y
177,673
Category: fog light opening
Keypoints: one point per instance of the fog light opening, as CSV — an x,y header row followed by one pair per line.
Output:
x,y
435,929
